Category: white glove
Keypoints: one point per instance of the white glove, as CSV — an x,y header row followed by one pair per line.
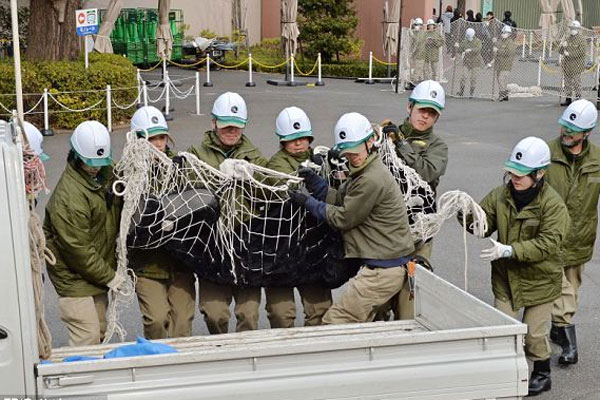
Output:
x,y
499,250
237,169
495,49
566,54
564,43
489,65
116,281
456,44
494,40
468,50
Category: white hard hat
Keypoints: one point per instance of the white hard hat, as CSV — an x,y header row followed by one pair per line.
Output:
x,y
418,21
430,22
529,155
470,33
293,123
351,130
506,29
149,121
575,24
230,109
428,94
580,116
91,142
35,139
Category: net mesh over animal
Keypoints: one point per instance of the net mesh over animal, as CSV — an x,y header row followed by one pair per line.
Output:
x,y
529,62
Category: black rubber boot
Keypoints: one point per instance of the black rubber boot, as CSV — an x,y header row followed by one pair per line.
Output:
x,y
554,335
540,378
568,342
566,102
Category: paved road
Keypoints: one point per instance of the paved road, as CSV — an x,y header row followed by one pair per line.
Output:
x,y
480,135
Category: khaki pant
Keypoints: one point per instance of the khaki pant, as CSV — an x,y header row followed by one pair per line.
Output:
x,y
214,301
432,69
572,84
365,294
281,306
537,345
502,78
85,318
565,306
167,306
418,71
471,74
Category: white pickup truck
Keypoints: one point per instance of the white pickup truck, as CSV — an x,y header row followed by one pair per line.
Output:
x,y
457,347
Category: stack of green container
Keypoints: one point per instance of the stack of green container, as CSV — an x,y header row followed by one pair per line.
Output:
x,y
134,34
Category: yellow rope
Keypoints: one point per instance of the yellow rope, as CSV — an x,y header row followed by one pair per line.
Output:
x,y
187,65
558,71
309,72
151,68
383,62
229,66
270,66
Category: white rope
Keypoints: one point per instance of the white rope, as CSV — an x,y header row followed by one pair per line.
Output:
x,y
6,109
164,90
74,110
181,94
127,106
30,111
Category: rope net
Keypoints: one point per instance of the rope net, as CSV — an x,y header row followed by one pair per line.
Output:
x,y
530,62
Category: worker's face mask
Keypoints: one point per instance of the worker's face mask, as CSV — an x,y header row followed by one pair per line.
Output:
x,y
574,32
470,38
505,35
417,27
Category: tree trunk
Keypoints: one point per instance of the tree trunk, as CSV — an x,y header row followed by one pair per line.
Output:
x,y
52,33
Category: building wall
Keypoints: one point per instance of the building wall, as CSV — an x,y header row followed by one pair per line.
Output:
x,y
271,19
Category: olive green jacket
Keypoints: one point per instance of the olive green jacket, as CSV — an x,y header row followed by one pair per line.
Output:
x,y
531,276
81,228
433,41
369,211
211,151
288,163
577,181
418,47
473,58
425,152
505,55
574,63
155,263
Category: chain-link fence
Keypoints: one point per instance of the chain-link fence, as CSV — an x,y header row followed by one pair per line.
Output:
x,y
561,60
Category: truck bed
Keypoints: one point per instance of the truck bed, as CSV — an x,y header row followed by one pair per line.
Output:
x,y
457,347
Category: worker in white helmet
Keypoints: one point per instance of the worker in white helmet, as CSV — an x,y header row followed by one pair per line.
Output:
x,y
470,49
418,49
504,54
295,134
573,50
369,211
81,227
226,140
35,140
165,288
575,174
424,151
531,220
433,43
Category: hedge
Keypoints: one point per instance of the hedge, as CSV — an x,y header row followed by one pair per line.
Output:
x,y
71,76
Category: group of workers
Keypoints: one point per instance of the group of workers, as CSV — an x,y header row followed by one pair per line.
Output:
x,y
544,213
479,48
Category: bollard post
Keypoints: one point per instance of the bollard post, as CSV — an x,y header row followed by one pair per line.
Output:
x,y
544,49
523,51
592,51
208,83
370,81
319,80
46,131
530,42
291,82
539,80
145,93
197,93
250,83
108,109
139,88
550,50
167,107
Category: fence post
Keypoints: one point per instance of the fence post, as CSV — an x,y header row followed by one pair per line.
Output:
x,y
108,109
145,93
530,42
550,51
46,131
544,49
208,83
250,83
370,81
167,108
539,80
319,80
592,51
139,88
197,93
523,51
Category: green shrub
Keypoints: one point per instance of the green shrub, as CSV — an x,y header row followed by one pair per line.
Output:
x,y
71,76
